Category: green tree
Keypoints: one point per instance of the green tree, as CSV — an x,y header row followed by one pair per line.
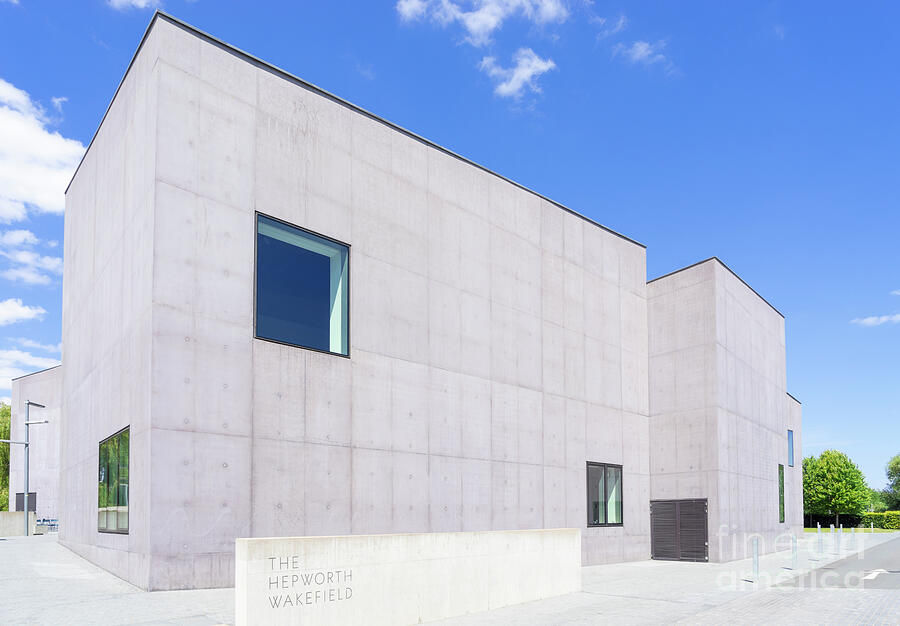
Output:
x,y
877,501
833,485
4,457
891,493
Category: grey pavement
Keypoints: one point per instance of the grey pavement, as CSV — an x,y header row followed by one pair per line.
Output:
x,y
870,569
44,583
41,582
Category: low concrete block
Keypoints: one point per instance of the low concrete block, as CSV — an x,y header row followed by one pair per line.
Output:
x,y
400,579
12,524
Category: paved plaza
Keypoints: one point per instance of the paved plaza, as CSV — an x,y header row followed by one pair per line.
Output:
x,y
44,583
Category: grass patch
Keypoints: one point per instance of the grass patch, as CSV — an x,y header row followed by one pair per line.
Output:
x,y
826,529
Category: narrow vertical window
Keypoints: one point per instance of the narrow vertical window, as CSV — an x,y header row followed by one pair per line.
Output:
x,y
112,488
781,493
790,448
302,288
604,494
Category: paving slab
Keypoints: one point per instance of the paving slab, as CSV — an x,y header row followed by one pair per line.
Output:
x,y
44,583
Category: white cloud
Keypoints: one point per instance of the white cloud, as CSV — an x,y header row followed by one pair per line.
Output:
x,y
46,347
481,18
610,28
27,266
877,320
36,163
26,358
411,9
121,5
27,275
512,81
15,363
895,292
58,102
18,238
645,53
12,310
6,399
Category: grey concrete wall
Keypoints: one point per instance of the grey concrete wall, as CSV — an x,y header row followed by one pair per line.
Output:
x,y
106,315
45,388
498,342
718,406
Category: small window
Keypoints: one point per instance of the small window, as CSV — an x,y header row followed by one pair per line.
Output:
x,y
302,288
604,497
781,493
112,490
790,448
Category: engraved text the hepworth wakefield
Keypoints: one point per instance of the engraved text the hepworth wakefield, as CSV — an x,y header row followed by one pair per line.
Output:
x,y
289,585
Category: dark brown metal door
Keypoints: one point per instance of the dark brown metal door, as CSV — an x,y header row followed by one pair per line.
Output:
x,y
679,530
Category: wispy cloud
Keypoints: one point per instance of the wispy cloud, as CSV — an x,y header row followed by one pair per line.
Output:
x,y
480,19
895,292
645,53
12,310
30,267
778,31
17,238
121,5
15,363
365,70
876,320
59,102
610,27
411,9
511,82
36,162
35,345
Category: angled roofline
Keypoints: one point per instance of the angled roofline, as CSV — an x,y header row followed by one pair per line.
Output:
x,y
793,398
46,369
158,14
733,273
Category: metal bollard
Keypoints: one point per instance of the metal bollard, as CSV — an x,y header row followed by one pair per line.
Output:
x,y
756,559
793,552
871,527
819,537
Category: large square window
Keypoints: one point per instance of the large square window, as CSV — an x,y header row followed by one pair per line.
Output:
x,y
604,497
112,490
302,287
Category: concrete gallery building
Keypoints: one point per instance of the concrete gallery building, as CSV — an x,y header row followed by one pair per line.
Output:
x,y
285,316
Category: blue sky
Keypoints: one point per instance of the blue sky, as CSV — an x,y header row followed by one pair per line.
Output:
x,y
765,133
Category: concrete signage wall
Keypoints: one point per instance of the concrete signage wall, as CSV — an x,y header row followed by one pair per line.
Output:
x,y
400,579
12,524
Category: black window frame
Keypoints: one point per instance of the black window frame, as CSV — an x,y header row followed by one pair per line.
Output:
x,y
128,485
587,476
256,216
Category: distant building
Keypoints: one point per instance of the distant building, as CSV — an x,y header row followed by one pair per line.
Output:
x,y
283,315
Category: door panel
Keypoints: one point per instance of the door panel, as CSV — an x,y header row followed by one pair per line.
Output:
x,y
679,530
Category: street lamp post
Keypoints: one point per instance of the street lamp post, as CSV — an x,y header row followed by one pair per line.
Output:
x,y
28,422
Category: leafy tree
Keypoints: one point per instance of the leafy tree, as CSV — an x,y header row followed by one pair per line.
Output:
x,y
4,457
892,492
877,501
833,485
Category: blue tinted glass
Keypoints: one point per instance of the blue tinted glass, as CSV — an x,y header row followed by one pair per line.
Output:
x,y
301,295
791,448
